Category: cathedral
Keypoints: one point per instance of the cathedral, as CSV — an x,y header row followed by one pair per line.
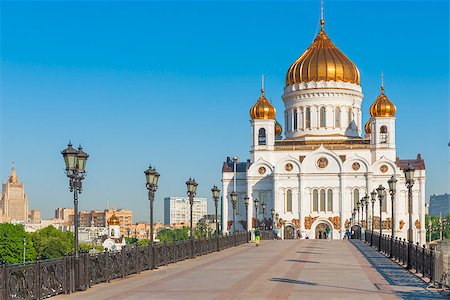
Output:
x,y
311,176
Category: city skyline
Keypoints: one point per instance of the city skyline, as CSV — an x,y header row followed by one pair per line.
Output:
x,y
126,75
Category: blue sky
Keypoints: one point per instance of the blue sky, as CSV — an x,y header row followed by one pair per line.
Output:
x,y
171,83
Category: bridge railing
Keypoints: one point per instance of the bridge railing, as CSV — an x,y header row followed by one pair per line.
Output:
x,y
414,257
47,278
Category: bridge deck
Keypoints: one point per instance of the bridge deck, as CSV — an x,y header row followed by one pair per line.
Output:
x,y
306,269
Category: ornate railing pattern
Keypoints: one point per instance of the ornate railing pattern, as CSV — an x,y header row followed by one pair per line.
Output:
x,y
421,258
47,278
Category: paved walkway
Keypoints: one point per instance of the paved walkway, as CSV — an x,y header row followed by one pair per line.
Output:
x,y
290,269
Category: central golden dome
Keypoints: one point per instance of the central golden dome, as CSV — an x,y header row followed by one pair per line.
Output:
x,y
322,61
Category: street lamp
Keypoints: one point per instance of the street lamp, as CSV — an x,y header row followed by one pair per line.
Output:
x,y
263,206
409,181
216,194
191,192
75,161
233,196
272,211
366,203
358,205
256,202
373,196
246,202
151,178
392,182
381,194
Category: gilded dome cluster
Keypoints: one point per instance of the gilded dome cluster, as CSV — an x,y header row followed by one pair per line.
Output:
x,y
262,109
322,61
382,106
114,220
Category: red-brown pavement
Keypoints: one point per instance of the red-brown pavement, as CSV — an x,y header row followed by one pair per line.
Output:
x,y
289,269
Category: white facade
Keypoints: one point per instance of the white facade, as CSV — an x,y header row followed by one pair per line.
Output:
x,y
177,210
313,176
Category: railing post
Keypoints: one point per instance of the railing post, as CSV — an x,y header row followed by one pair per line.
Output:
x,y
431,265
107,265
3,269
38,277
423,261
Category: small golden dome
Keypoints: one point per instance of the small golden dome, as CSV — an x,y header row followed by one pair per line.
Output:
x,y
368,127
113,220
382,106
262,109
278,128
322,61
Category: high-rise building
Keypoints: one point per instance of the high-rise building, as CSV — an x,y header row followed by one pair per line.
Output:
x,y
439,204
13,200
177,210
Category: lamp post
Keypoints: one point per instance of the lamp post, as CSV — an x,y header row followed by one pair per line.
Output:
x,y
373,196
151,178
233,196
366,203
381,193
216,194
24,249
409,181
353,218
263,206
358,205
75,161
392,182
256,202
272,211
191,192
246,202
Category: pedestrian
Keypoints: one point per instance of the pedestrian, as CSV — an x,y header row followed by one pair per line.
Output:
x,y
328,231
298,234
257,236
307,237
275,233
347,234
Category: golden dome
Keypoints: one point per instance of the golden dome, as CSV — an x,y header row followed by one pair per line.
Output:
x,y
382,106
262,109
113,220
368,127
278,128
322,61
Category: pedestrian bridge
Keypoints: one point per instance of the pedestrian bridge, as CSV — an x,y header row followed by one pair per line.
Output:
x,y
281,269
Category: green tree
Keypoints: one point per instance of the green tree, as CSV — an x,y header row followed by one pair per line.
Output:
x,y
89,247
435,228
52,243
165,235
131,240
144,242
11,244
181,233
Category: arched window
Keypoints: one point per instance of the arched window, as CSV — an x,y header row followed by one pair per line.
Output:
x,y
322,200
350,115
330,200
289,201
323,117
355,198
302,118
315,202
337,117
383,134
308,118
384,204
112,233
295,120
262,136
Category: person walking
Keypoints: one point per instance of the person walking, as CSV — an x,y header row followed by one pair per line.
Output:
x,y
298,234
347,234
328,230
257,236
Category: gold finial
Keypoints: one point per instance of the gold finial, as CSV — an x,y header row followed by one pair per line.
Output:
x,y
262,84
322,19
382,82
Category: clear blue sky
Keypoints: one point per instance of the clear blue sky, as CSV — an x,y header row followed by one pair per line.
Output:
x,y
171,83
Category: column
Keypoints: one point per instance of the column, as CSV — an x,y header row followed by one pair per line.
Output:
x,y
342,213
225,185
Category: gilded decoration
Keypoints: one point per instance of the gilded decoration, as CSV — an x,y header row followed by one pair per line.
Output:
x,y
363,222
288,167
261,170
356,166
308,221
296,222
254,222
387,224
347,223
417,224
401,223
336,221
322,162
263,109
382,106
384,168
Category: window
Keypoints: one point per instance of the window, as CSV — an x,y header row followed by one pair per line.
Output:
x,y
302,118
262,199
355,198
337,117
308,118
383,134
262,136
322,200
350,115
322,117
289,201
295,120
384,204
315,201
330,200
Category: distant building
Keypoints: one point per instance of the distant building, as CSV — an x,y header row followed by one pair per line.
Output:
x,y
439,204
95,218
114,241
34,215
35,226
177,210
13,200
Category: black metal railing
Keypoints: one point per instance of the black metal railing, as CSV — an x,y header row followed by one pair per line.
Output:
x,y
414,257
47,278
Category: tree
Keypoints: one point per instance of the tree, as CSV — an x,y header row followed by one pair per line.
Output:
x,y
89,247
181,233
165,235
11,244
52,243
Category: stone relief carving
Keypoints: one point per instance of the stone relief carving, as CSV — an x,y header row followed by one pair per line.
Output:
x,y
401,223
308,221
336,221
296,222
417,224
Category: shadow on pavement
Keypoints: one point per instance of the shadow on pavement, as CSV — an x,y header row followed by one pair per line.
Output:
x,y
303,261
